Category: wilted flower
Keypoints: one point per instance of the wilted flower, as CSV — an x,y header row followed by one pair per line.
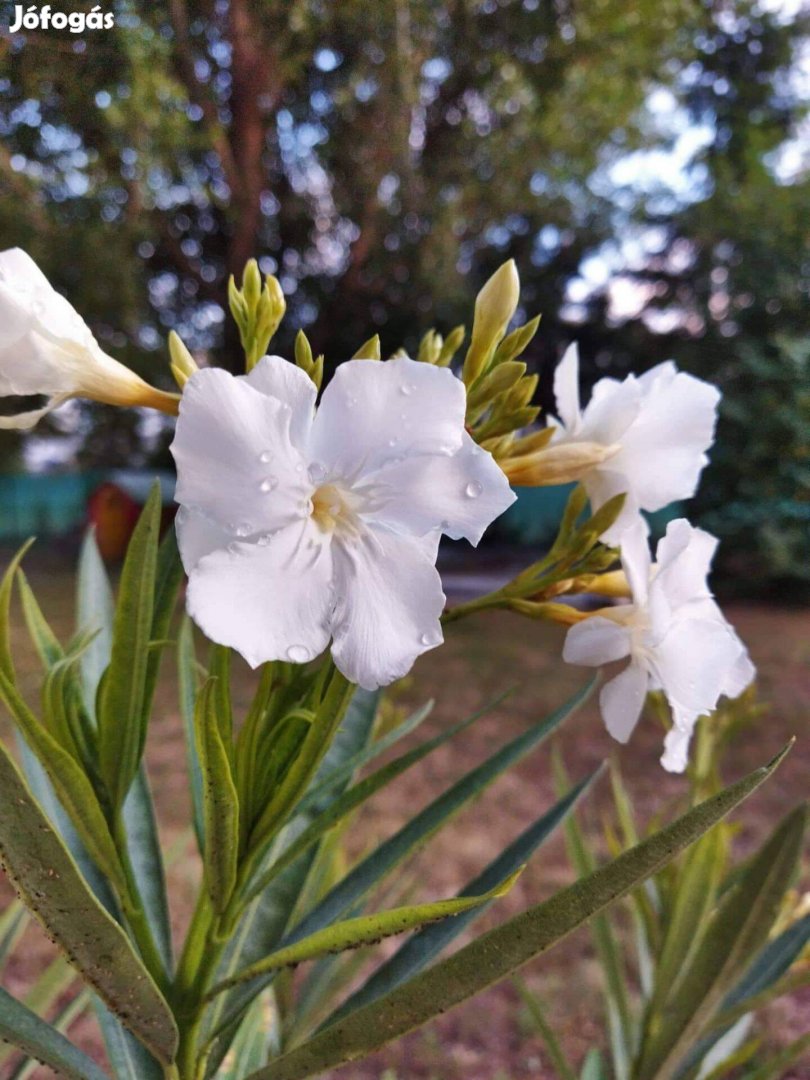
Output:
x,y
674,633
47,348
645,437
298,526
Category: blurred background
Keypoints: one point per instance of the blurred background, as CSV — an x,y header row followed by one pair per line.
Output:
x,y
646,164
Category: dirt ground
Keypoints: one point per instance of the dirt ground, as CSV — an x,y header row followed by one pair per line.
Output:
x,y
489,1038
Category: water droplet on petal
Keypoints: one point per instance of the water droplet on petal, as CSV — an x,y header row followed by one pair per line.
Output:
x,y
264,539
393,442
267,485
265,456
406,389
299,654
317,472
244,528
351,402
428,639
181,515
473,489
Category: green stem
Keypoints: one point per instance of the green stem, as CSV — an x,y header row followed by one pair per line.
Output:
x,y
481,603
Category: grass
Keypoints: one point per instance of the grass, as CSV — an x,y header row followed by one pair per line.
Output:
x,y
482,657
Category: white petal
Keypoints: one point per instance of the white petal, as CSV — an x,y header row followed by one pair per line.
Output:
x,y
636,560
596,641
683,559
387,612
741,675
664,449
566,389
28,301
235,459
278,378
601,484
622,699
198,536
676,748
693,663
613,407
268,602
373,411
461,494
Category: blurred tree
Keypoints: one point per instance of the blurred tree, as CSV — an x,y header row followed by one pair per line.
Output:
x,y
643,163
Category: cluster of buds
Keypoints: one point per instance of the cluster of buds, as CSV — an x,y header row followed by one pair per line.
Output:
x,y
257,309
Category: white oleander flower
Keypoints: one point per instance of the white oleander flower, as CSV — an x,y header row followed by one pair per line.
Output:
x,y
47,348
645,436
297,525
674,633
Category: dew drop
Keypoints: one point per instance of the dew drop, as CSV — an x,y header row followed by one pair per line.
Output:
x,y
299,654
265,456
473,489
244,528
406,389
268,485
428,639
317,472
393,442
351,402
181,515
264,539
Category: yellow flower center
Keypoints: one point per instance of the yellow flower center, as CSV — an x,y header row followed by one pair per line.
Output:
x,y
330,508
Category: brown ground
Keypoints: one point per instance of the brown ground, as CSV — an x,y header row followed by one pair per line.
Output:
x,y
489,1037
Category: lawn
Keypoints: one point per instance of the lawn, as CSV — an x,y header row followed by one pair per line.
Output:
x,y
489,1038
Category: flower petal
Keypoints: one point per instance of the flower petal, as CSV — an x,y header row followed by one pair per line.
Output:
x,y
596,641
683,559
693,663
24,421
601,484
636,561
676,748
566,389
664,449
461,494
235,460
387,612
198,536
28,302
278,378
622,699
372,412
268,601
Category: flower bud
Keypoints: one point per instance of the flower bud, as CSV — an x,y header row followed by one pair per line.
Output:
x,y
494,307
562,463
183,365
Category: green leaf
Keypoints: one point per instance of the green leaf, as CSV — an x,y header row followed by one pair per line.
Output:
x,y
376,866
168,578
593,1068
49,883
188,683
71,784
364,930
23,1029
425,946
43,638
354,797
12,925
122,696
555,1052
740,927
6,588
40,997
65,1017
146,858
252,1043
128,1058
220,801
95,611
505,949
776,1067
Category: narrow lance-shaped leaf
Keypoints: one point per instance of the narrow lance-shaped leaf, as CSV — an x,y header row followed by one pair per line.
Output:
x,y
364,930
505,949
128,1058
45,641
6,587
49,883
95,611
23,1029
425,946
71,784
376,866
188,681
741,925
122,693
220,801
